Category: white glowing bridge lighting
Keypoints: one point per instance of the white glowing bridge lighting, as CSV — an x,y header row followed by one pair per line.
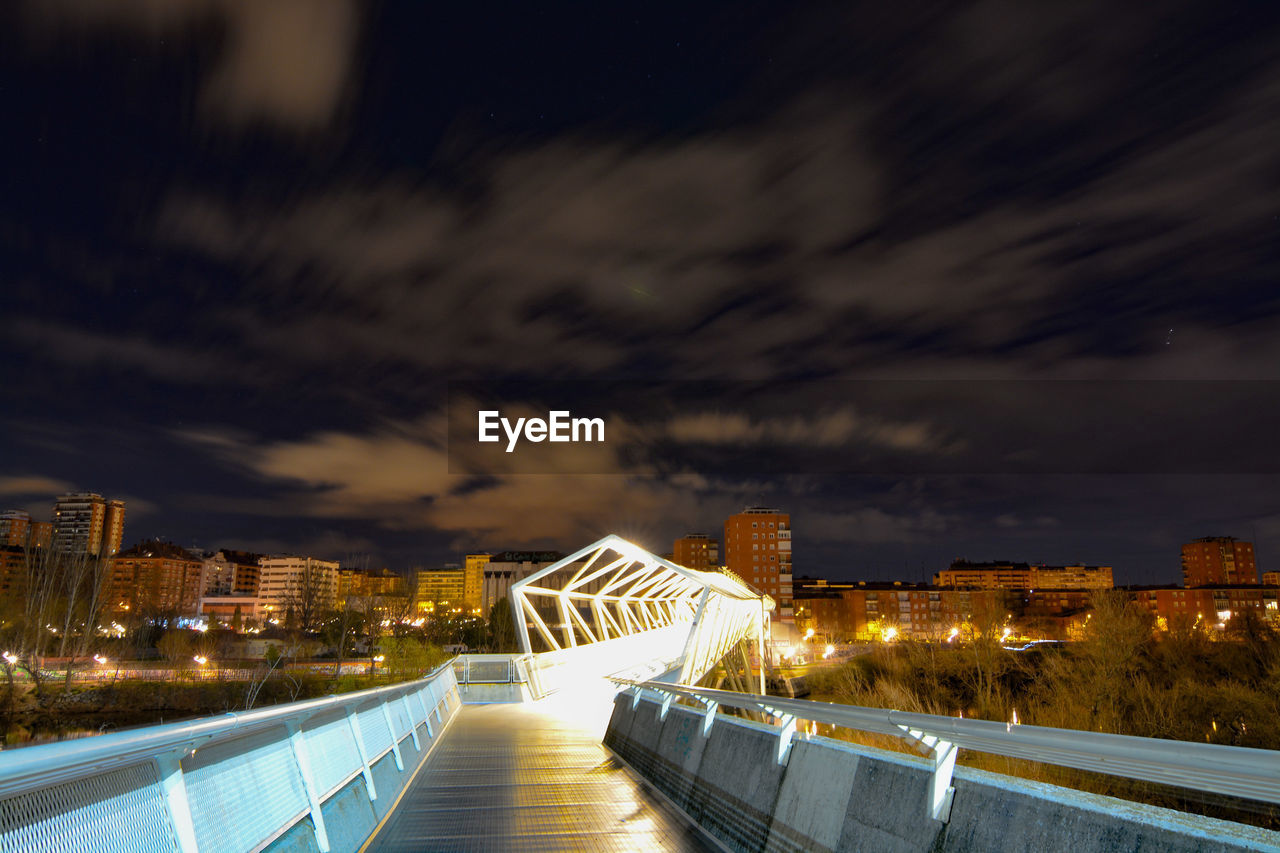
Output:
x,y
613,606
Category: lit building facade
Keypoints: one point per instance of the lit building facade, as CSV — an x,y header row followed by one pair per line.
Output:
x,y
696,551
284,581
998,575
156,580
473,581
368,583
87,523
757,548
440,588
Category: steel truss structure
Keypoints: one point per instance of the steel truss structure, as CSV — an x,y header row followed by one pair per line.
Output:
x,y
615,603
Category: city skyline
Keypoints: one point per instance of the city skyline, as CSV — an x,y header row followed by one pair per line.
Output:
x,y
248,255
697,548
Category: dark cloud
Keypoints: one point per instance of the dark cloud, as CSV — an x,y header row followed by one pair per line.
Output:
x,y
987,190
284,63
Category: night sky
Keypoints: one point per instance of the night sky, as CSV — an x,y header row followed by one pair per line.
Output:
x,y
248,248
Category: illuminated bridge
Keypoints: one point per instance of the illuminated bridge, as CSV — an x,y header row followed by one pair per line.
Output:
x,y
596,737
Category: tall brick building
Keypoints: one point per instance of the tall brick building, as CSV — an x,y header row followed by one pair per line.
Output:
x,y
757,548
1218,560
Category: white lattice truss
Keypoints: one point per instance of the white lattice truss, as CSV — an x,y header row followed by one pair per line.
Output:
x,y
614,589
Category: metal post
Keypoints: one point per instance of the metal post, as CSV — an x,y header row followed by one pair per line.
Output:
x,y
395,741
354,723
174,789
303,760
709,718
413,729
426,712
941,792
785,734
760,645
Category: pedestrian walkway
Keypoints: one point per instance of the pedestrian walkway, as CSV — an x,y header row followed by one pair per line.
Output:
x,y
526,777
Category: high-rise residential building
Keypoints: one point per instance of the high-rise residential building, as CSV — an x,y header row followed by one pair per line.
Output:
x,y
156,579
440,588
1218,560
86,523
302,586
696,551
1271,578
473,581
1000,575
757,548
113,529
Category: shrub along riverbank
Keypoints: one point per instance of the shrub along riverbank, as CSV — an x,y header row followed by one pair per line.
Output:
x,y
1123,678
57,711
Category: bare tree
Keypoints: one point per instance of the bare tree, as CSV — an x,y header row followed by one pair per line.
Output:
x,y
308,597
346,622
83,586
40,597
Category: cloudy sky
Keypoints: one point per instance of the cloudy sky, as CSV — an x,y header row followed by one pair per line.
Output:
x,y
247,250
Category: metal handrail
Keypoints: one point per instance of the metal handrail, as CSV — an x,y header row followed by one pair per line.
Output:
x,y
1237,771
33,768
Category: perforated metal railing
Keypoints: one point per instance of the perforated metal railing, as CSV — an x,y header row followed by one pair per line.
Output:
x,y
228,783
1251,774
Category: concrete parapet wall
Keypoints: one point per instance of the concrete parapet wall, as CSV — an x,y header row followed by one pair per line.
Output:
x,y
831,795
